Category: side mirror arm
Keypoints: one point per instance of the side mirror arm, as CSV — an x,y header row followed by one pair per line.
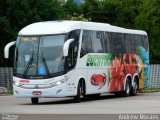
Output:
x,y
6,49
66,46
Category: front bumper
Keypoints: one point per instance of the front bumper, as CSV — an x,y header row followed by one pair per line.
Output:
x,y
57,91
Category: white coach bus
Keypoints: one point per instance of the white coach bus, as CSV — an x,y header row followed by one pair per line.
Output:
x,y
75,59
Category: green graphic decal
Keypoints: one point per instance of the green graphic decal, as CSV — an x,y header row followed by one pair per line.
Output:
x,y
99,60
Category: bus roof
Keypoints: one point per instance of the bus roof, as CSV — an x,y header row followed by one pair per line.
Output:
x,y
59,27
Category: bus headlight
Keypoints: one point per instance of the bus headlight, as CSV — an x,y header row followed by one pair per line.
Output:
x,y
59,82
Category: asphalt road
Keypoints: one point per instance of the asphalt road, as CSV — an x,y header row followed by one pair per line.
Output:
x,y
105,104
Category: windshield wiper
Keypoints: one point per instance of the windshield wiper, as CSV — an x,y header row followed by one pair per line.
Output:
x,y
45,64
28,64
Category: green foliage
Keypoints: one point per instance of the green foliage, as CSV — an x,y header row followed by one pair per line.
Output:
x,y
148,20
127,11
16,14
71,9
10,91
133,14
104,11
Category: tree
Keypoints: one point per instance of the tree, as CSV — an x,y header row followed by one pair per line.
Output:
x,y
148,20
72,10
127,11
132,14
90,8
16,14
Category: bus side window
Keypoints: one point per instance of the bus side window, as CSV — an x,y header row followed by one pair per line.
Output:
x,y
118,42
145,41
111,42
129,43
102,41
107,39
138,41
86,46
97,41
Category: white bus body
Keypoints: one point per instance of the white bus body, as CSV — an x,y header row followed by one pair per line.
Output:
x,y
84,72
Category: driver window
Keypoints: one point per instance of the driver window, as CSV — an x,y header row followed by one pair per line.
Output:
x,y
73,49
86,46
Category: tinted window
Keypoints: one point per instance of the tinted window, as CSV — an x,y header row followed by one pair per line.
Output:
x,y
138,41
118,42
108,43
92,42
129,43
97,41
145,41
86,46
132,41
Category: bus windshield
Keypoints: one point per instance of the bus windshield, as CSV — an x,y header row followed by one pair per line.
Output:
x,y
39,56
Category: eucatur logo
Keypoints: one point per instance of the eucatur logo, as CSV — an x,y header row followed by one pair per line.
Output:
x,y
98,60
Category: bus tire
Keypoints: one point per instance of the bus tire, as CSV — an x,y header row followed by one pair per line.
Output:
x,y
77,98
134,88
127,90
34,100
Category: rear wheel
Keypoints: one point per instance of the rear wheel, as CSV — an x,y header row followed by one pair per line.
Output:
x,y
34,100
134,89
127,90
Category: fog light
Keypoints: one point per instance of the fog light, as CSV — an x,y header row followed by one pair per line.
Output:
x,y
17,83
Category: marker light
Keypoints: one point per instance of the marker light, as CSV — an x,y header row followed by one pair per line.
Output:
x,y
24,81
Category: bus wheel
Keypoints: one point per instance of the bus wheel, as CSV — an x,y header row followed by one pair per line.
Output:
x,y
127,89
77,98
134,89
34,100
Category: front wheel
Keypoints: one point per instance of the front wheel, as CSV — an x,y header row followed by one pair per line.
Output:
x,y
34,100
77,98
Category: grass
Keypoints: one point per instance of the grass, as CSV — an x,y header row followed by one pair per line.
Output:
x,y
6,91
151,90
9,91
